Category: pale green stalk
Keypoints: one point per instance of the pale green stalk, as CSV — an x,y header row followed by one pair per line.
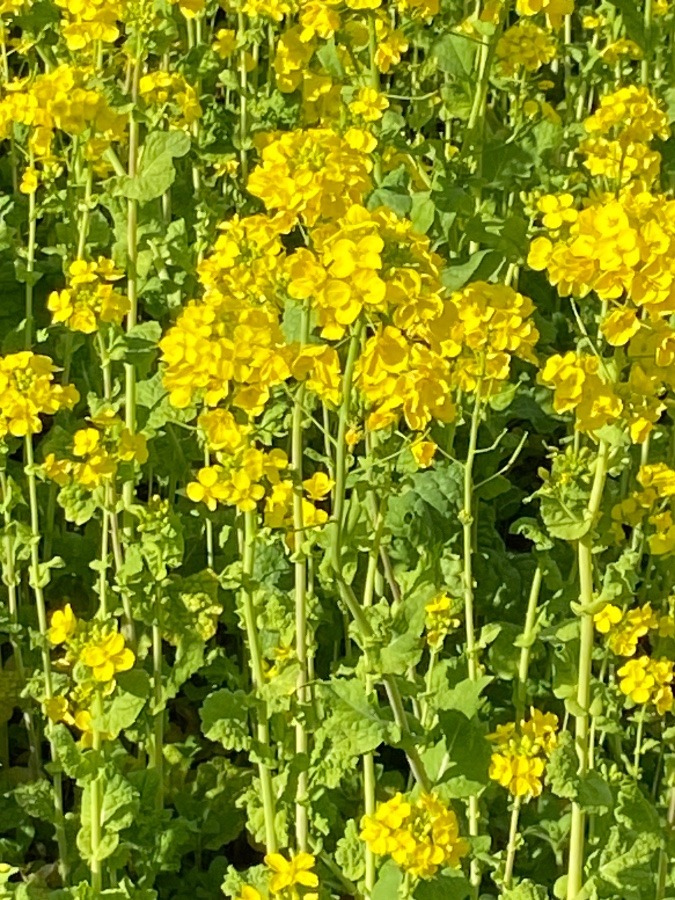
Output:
x,y
30,265
96,800
257,677
157,756
528,637
575,872
300,582
12,580
243,91
59,821
513,843
132,272
646,60
467,520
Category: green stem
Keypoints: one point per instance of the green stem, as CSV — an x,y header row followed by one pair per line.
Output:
x,y
132,272
11,580
59,821
575,871
96,797
528,637
467,520
648,17
30,265
343,423
257,674
638,742
513,843
300,582
243,92
157,760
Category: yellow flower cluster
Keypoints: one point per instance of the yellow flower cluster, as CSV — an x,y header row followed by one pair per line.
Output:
x,y
651,508
290,878
555,10
440,619
620,131
97,452
421,836
94,654
89,297
88,21
524,46
231,341
237,480
365,261
310,174
58,100
466,341
27,391
645,680
624,629
521,752
170,92
589,386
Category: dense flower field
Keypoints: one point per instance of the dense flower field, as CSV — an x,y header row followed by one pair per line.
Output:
x,y
337,449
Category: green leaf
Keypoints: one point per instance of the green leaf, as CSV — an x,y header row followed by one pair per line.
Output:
x,y
468,752
388,882
478,267
224,716
156,172
449,885
455,54
123,708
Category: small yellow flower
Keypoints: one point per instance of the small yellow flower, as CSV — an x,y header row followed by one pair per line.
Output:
x,y
607,618
369,104
29,181
424,452
318,486
62,626
249,893
636,680
107,656
289,873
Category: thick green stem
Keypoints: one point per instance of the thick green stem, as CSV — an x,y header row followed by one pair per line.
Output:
x,y
575,871
30,266
257,677
467,520
300,582
38,593
132,273
513,843
527,641
96,798
11,580
243,98
646,60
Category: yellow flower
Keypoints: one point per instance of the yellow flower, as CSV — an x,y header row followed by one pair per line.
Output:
x,y
369,104
636,680
620,326
318,486
607,618
249,893
85,441
62,625
289,873
209,487
106,656
424,452
29,181
225,42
